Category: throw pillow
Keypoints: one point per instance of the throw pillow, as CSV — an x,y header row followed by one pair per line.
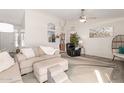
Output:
x,y
41,52
6,61
28,52
121,50
48,50
38,51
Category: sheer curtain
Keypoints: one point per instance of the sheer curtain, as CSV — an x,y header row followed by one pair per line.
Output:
x,y
7,41
19,39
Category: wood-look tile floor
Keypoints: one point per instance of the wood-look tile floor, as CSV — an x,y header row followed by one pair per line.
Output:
x,y
89,69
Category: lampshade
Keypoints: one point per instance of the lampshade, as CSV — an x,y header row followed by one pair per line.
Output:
x,y
5,27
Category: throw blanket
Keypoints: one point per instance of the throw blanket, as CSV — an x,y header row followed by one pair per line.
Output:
x,y
48,50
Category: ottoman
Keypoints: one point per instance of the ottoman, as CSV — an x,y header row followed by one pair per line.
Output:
x,y
40,68
57,75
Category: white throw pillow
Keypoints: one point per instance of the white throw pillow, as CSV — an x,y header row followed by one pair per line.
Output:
x,y
48,50
6,61
28,52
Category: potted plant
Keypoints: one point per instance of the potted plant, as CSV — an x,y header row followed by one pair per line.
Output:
x,y
74,38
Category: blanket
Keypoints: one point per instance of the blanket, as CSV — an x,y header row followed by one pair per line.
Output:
x,y
48,50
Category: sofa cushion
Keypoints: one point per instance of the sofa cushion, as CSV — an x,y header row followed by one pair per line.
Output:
x,y
11,75
6,61
121,50
20,57
119,55
28,52
38,51
29,62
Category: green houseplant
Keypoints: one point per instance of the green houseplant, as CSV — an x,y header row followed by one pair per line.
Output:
x,y
74,38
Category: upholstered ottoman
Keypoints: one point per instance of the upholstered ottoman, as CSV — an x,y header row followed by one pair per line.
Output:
x,y
40,68
57,75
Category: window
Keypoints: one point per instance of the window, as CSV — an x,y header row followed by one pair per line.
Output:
x,y
19,39
16,39
22,39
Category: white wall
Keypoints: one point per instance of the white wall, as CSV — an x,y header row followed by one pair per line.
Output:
x,y
97,46
36,28
36,32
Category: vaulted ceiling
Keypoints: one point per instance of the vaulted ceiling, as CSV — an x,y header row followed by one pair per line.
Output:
x,y
12,16
75,13
16,16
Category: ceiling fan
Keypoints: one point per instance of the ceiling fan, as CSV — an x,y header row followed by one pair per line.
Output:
x,y
83,17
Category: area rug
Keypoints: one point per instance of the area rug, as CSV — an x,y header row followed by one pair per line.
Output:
x,y
83,70
89,74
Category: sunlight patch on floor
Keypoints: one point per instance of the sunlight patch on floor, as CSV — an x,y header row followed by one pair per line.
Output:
x,y
98,75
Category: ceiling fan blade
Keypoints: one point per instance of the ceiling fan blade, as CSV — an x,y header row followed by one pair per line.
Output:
x,y
91,17
83,13
84,18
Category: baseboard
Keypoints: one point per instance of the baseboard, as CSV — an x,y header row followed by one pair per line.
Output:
x,y
93,56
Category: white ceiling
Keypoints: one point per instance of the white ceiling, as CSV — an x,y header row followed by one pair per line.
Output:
x,y
75,13
16,16
12,16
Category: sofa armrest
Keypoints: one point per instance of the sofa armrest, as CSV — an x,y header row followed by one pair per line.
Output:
x,y
57,53
15,59
19,57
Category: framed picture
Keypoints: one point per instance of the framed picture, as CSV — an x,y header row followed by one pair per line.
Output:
x,y
101,32
51,33
51,36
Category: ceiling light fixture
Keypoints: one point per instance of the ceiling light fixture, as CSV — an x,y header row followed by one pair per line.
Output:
x,y
83,18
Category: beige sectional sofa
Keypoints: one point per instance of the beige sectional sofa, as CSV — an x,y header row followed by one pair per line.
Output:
x,y
26,65
39,63
11,75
